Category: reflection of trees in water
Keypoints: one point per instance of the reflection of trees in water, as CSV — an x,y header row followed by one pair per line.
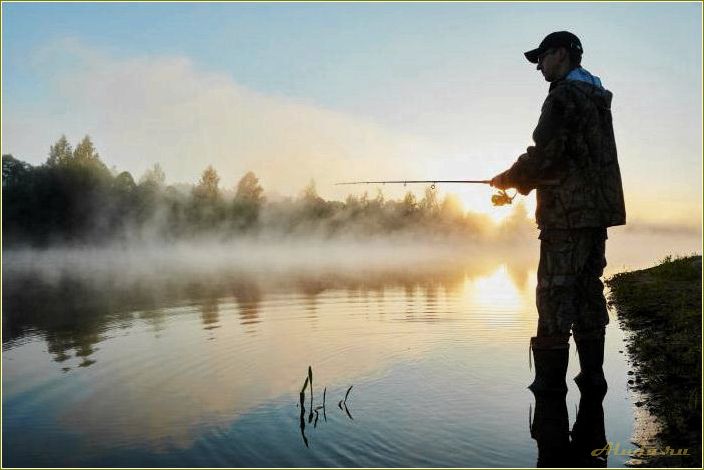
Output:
x,y
67,320
210,313
82,341
72,311
410,296
311,286
58,346
155,318
410,290
248,296
431,295
379,298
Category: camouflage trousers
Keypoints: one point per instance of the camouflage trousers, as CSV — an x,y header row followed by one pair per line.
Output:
x,y
570,294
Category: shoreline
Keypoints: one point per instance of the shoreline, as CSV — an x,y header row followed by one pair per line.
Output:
x,y
660,307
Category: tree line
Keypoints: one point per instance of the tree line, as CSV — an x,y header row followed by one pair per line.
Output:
x,y
75,198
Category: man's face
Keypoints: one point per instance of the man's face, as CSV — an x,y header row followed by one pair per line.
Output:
x,y
550,63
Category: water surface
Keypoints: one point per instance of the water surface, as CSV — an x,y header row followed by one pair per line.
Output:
x,y
200,364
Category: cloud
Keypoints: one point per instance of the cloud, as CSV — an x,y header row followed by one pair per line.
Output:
x,y
147,109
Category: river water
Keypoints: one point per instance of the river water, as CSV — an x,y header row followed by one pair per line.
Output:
x,y
147,358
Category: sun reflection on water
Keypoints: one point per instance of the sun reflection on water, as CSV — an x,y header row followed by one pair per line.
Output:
x,y
503,293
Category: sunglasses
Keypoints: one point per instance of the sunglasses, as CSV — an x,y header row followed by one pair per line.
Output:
x,y
545,54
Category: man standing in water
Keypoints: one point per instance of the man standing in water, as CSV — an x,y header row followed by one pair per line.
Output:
x,y
575,172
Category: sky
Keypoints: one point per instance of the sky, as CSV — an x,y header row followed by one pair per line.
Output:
x,y
350,91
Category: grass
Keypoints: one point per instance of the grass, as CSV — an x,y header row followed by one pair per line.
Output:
x,y
662,307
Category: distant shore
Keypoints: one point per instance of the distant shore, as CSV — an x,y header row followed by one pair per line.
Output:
x,y
661,308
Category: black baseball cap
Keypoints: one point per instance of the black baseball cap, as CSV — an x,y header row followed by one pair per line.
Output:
x,y
556,39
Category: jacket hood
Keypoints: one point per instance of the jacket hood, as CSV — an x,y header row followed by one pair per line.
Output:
x,y
590,85
580,74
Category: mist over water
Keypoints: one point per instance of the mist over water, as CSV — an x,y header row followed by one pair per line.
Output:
x,y
267,255
254,256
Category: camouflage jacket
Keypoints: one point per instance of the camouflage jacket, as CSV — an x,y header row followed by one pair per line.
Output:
x,y
575,147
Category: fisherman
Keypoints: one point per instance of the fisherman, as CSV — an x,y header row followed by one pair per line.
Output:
x,y
574,169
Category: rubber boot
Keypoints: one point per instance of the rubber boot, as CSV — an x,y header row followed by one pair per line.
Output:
x,y
550,428
590,379
589,434
550,355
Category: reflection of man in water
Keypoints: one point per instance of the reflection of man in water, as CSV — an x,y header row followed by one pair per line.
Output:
x,y
575,172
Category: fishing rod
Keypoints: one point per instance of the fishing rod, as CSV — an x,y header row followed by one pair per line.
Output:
x,y
404,182
501,198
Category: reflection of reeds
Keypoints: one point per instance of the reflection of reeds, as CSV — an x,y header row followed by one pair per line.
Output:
x,y
324,415
347,410
302,397
303,390
310,379
344,400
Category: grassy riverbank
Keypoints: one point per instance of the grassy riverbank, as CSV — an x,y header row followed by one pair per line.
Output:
x,y
661,306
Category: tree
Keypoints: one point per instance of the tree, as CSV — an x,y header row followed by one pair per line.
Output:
x,y
75,190
207,188
154,176
149,194
60,153
352,204
409,205
313,207
310,194
85,152
13,170
206,209
17,197
248,201
249,190
429,205
124,182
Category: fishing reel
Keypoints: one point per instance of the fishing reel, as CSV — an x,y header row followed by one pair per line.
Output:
x,y
502,198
